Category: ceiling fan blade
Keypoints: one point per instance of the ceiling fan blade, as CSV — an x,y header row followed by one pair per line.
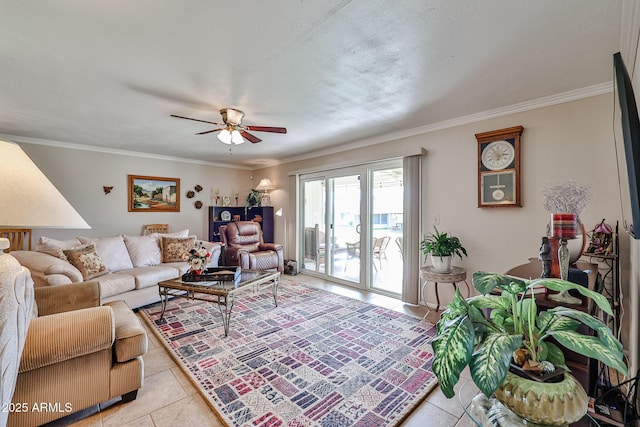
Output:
x,y
208,131
246,135
266,129
197,120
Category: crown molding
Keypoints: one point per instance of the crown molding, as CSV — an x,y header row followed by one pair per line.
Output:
x,y
58,144
547,101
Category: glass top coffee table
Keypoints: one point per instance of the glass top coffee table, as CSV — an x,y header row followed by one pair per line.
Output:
x,y
222,293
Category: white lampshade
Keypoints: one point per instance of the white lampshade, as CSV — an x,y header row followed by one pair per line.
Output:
x,y
236,138
225,137
230,138
265,184
27,198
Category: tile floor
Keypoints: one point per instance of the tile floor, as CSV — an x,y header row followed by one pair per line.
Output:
x,y
169,399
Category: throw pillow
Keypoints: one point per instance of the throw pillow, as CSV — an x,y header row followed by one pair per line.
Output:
x,y
55,247
143,250
112,250
86,259
174,248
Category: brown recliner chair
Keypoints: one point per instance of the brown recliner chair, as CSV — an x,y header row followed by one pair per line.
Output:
x,y
245,247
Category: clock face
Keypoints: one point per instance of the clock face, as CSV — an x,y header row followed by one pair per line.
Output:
x,y
498,155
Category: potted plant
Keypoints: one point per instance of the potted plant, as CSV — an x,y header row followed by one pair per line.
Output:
x,y
442,247
253,198
515,329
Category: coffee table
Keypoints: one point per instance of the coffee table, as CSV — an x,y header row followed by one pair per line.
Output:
x,y
220,292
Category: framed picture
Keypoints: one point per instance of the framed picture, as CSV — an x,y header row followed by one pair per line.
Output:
x,y
265,200
499,168
153,194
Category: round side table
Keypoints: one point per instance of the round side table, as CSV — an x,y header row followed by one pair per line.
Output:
x,y
455,276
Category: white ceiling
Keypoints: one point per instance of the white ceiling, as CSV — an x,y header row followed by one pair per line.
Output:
x,y
110,73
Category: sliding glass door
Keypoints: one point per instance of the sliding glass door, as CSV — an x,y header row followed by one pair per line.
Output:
x,y
352,226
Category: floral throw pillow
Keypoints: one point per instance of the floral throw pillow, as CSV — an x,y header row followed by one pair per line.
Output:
x,y
86,259
173,248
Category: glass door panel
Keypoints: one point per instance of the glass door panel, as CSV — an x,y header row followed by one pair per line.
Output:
x,y
313,225
386,215
344,227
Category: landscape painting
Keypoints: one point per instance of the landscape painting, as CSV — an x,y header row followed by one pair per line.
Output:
x,y
153,194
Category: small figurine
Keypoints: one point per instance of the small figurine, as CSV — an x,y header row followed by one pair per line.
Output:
x,y
545,257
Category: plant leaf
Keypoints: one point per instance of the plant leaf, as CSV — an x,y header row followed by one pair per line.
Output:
x,y
452,351
548,321
486,282
555,355
563,285
604,333
591,347
494,302
490,363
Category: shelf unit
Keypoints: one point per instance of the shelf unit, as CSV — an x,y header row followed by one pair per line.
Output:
x,y
241,213
609,269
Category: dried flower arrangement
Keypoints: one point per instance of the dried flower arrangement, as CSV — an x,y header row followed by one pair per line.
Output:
x,y
570,197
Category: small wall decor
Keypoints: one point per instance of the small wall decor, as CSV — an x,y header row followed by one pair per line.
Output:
x,y
107,189
190,194
198,188
153,194
499,168
198,204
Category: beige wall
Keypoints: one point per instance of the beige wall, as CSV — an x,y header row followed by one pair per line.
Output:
x,y
80,175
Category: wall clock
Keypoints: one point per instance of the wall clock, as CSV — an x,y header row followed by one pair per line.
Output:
x,y
499,168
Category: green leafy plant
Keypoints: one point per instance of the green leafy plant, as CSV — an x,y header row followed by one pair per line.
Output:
x,y
253,198
466,336
441,244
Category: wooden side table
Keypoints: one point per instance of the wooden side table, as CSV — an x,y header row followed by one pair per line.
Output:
x,y
455,276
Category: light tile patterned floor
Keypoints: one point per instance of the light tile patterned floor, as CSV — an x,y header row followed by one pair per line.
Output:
x,y
169,399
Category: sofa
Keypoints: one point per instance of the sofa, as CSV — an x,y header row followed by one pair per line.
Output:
x,y
125,267
61,350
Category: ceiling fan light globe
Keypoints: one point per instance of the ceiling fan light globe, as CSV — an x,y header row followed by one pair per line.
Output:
x,y
236,138
225,137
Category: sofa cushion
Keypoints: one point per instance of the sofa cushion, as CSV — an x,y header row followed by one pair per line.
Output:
x,y
87,260
143,250
150,276
113,252
174,248
181,266
115,283
55,247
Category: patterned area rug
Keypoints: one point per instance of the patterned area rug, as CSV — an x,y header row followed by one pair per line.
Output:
x,y
318,359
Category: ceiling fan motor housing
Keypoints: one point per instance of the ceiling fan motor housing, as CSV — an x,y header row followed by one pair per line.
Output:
x,y
232,116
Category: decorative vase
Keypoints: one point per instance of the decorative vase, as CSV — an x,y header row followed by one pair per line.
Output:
x,y
196,272
556,404
441,264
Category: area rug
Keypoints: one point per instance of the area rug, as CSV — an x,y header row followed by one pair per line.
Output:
x,y
318,359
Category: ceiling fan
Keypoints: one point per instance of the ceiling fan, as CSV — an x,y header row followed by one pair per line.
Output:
x,y
232,131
